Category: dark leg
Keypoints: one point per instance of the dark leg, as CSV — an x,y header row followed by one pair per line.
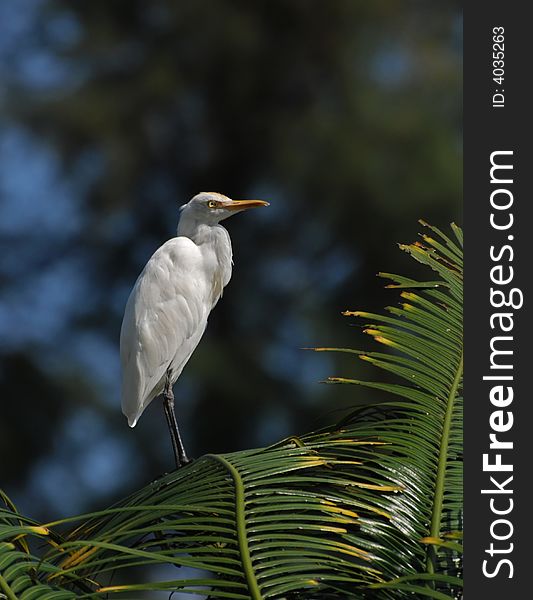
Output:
x,y
177,444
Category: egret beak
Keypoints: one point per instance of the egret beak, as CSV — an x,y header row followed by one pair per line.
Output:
x,y
244,204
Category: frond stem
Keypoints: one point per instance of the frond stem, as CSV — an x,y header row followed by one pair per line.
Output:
x,y
6,588
443,458
240,519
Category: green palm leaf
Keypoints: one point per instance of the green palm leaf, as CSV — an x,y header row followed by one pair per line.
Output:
x,y
20,571
423,421
368,508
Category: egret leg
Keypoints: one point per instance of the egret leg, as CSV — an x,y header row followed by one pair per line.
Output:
x,y
177,443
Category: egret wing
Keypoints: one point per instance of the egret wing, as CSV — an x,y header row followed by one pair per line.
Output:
x,y
166,308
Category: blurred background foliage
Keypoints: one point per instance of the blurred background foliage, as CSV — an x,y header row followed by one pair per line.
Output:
x,y
345,115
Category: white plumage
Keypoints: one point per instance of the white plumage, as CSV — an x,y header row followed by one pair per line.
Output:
x,y
167,311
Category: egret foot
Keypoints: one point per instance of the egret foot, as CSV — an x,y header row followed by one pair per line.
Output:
x,y
177,444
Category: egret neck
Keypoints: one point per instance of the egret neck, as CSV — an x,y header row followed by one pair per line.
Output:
x,y
214,243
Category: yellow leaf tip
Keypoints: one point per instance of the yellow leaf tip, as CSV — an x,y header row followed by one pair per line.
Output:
x,y
39,530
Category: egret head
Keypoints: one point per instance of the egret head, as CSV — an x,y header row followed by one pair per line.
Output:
x,y
211,207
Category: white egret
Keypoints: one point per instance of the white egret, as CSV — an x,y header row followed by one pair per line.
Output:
x,y
167,310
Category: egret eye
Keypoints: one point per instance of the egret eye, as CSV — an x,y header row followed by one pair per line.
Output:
x,y
212,204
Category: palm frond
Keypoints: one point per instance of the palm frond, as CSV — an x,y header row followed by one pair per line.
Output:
x,y
264,523
20,570
368,508
423,422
